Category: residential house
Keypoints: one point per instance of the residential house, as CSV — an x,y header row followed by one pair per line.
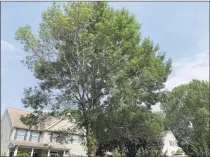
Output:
x,y
17,137
170,143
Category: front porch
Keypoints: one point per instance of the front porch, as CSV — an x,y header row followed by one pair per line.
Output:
x,y
35,152
35,149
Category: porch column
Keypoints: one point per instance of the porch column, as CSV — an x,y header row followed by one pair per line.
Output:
x,y
63,153
48,154
32,152
16,151
8,152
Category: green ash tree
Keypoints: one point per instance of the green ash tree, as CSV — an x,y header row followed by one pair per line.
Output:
x,y
84,55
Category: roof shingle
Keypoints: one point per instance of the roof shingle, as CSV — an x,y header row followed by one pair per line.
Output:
x,y
50,124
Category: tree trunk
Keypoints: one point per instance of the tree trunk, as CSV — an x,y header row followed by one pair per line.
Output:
x,y
99,151
88,140
131,150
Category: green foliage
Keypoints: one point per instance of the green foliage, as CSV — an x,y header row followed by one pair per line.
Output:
x,y
117,153
187,116
150,153
23,155
92,144
179,151
128,129
86,52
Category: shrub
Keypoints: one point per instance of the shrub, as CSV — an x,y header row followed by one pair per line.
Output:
x,y
150,153
117,154
23,155
179,151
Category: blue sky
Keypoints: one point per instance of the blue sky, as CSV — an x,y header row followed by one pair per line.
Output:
x,y
180,28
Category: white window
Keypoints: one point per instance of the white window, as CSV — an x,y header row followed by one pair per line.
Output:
x,y
51,136
34,136
76,139
54,137
20,135
172,143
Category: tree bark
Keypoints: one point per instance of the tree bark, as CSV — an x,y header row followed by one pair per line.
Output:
x,y
88,140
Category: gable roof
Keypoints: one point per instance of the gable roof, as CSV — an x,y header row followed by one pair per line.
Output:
x,y
15,115
169,134
50,124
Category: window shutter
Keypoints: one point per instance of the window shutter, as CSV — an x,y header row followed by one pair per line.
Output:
x,y
30,135
16,133
39,137
51,136
26,133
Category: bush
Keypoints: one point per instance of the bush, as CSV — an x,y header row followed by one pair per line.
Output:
x,y
150,153
118,154
23,155
179,151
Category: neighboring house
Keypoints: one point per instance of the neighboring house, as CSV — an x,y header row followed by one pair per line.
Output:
x,y
170,143
17,137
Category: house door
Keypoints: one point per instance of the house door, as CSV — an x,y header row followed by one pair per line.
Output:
x,y
11,154
35,154
53,154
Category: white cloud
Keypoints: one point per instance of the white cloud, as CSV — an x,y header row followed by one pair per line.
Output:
x,y
5,46
10,57
187,69
9,51
195,67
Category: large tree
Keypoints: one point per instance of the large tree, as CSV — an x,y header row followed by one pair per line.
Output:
x,y
84,54
187,115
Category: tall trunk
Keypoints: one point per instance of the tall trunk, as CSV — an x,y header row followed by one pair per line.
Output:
x,y
99,151
205,148
88,140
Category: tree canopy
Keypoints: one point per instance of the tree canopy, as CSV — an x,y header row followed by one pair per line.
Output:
x,y
187,115
89,56
128,130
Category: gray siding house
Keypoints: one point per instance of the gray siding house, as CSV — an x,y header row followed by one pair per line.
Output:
x,y
18,138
